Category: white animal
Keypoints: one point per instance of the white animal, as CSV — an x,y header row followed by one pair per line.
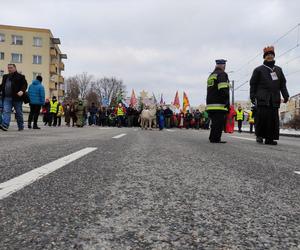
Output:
x,y
148,118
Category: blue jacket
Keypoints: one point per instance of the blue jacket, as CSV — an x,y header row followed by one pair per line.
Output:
x,y
36,92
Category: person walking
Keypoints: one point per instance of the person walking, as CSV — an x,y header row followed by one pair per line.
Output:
x,y
240,117
36,93
130,115
251,119
266,84
46,112
161,118
53,112
229,127
80,111
197,117
67,112
60,113
120,111
93,110
13,88
217,100
168,115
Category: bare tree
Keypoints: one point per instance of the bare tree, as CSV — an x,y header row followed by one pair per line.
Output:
x,y
84,81
92,97
73,90
109,88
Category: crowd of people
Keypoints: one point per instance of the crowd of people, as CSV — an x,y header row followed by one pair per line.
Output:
x,y
78,114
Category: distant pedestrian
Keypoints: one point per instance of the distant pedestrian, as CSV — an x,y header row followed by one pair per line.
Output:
x,y
161,118
36,93
60,113
120,112
197,117
240,117
46,112
67,112
251,119
266,84
229,127
13,88
80,111
53,112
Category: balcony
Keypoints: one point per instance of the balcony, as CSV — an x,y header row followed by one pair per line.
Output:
x,y
61,79
52,85
53,52
55,40
53,69
62,66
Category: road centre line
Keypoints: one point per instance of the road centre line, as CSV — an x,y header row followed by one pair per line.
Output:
x,y
297,172
242,138
13,185
118,136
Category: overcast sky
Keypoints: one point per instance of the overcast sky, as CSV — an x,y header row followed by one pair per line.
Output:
x,y
163,46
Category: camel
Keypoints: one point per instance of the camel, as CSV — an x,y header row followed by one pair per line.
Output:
x,y
148,117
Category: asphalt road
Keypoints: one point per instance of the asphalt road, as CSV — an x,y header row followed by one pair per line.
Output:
x,y
149,190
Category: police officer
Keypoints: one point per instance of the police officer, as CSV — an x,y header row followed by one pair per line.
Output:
x,y
217,100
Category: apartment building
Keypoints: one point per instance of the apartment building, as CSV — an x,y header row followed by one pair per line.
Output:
x,y
289,110
35,52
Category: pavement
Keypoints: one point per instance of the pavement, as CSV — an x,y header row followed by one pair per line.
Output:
x,y
110,188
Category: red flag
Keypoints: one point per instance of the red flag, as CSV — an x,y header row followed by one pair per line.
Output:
x,y
133,100
186,102
176,102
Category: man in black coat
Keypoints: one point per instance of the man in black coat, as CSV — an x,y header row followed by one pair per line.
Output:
x,y
266,84
13,88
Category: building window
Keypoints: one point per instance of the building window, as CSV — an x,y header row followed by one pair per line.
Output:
x,y
1,55
37,42
17,40
2,37
16,58
37,59
35,74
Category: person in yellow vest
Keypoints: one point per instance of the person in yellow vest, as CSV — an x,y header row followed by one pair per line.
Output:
x,y
60,113
53,112
120,111
240,117
251,120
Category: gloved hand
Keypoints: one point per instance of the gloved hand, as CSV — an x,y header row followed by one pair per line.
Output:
x,y
253,101
286,100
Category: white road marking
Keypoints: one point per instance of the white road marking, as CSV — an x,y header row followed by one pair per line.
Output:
x,y
13,185
170,130
297,172
243,138
118,136
106,128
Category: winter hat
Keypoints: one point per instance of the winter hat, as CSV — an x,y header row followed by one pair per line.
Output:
x,y
269,50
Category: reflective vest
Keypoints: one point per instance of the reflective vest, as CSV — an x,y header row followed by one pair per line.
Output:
x,y
120,112
250,117
60,111
240,115
53,106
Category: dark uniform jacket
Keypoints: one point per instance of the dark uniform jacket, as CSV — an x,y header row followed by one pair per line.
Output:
x,y
217,91
266,91
18,83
